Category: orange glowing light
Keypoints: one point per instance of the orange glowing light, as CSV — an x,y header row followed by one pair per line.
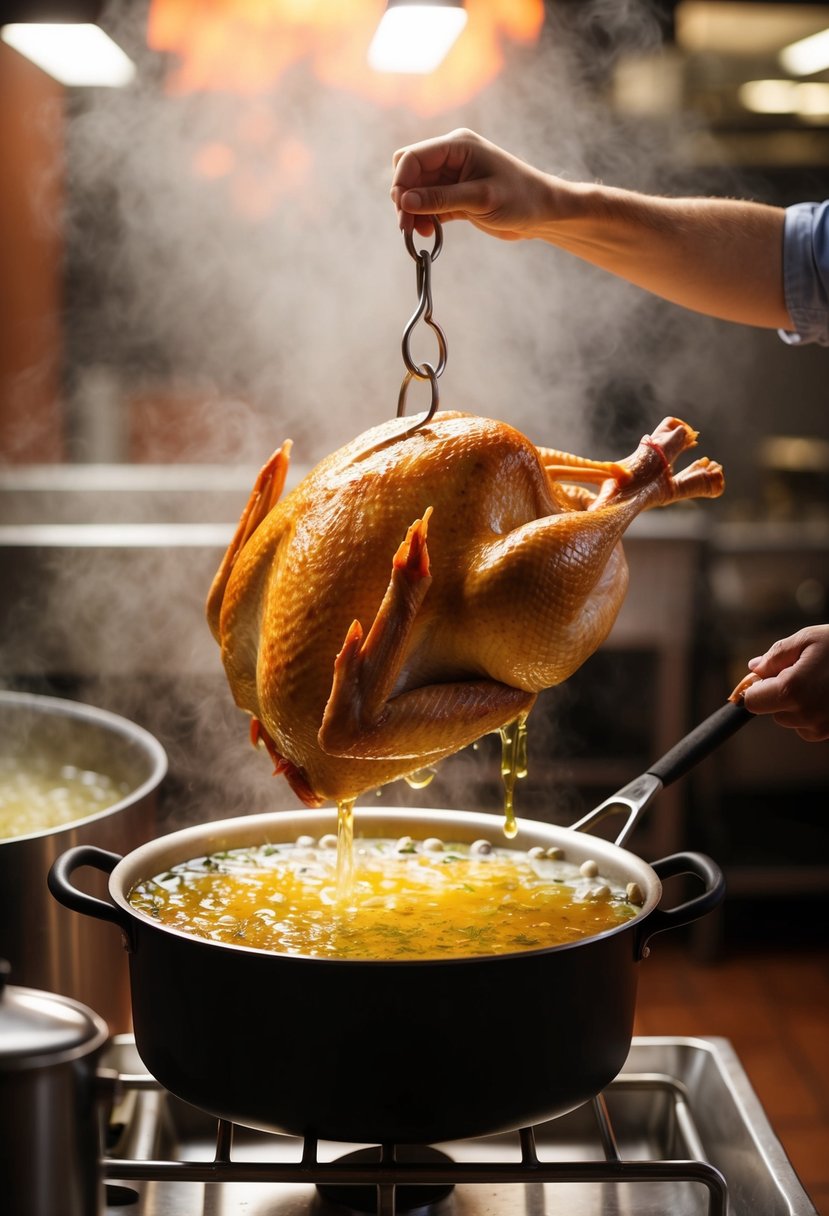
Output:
x,y
256,189
214,160
246,46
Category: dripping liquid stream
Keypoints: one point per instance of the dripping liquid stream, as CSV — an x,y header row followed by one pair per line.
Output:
x,y
513,768
420,778
345,850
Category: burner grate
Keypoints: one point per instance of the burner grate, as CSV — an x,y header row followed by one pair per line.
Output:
x,y
402,1180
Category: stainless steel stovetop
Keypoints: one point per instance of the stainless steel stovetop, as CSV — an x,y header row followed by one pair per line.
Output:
x,y
680,1131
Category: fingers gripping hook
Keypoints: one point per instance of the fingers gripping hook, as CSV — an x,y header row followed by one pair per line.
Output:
x,y
425,371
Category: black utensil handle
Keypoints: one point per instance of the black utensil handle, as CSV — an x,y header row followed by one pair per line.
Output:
x,y
719,726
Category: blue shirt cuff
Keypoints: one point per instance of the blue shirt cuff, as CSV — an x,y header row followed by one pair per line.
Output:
x,y
806,273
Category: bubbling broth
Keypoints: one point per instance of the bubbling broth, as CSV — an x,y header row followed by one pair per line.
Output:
x,y
43,793
407,899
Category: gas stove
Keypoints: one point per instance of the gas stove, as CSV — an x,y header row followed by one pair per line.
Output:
x,y
680,1130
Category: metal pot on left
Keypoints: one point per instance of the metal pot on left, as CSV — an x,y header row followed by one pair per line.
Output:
x,y
49,948
51,1103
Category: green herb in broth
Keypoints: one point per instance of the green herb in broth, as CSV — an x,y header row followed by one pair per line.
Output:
x,y
404,901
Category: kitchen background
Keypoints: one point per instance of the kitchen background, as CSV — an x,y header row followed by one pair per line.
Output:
x,y
203,261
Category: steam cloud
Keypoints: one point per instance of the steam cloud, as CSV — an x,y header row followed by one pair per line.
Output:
x,y
275,296
284,284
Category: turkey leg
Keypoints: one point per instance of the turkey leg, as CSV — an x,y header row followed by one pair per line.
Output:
x,y
363,719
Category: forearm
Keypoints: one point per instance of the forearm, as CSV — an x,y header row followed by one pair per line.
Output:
x,y
721,257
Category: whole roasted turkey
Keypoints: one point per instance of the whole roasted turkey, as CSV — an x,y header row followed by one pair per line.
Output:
x,y
417,590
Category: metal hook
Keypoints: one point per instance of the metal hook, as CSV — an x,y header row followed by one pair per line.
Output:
x,y
431,376
436,248
424,312
425,371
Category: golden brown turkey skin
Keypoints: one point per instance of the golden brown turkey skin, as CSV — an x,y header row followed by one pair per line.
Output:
x,y
416,591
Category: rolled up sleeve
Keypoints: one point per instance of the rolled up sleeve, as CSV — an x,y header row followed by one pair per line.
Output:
x,y
806,273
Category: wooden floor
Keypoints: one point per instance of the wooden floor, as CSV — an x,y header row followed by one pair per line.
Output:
x,y
772,1003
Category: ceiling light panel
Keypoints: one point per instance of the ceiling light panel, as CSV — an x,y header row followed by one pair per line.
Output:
x,y
75,54
745,29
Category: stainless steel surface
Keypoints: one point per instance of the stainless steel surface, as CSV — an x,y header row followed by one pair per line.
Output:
x,y
48,946
38,1027
154,576
32,494
50,1130
681,1113
632,801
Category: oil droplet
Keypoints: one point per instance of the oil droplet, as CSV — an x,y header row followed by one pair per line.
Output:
x,y
420,778
345,849
513,768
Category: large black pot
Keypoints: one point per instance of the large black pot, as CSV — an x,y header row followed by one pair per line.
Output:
x,y
385,1051
403,1051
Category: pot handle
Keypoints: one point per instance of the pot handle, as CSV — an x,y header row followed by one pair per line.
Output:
x,y
662,919
65,893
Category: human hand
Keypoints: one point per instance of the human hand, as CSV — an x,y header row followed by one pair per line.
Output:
x,y
791,682
461,176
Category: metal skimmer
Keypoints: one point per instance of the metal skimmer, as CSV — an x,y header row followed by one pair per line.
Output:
x,y
423,371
